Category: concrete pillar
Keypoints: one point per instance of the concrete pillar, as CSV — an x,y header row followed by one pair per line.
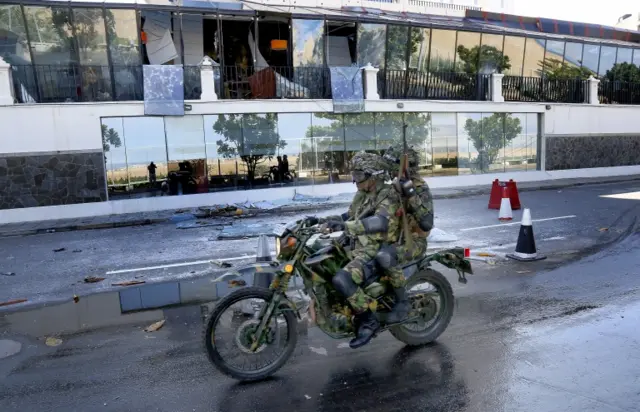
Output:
x,y
207,80
371,82
592,91
6,84
496,87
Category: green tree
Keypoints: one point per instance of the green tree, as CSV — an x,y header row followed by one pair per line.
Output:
x,y
88,24
253,138
490,135
625,72
483,58
619,84
371,44
397,45
40,25
13,33
555,69
110,137
335,152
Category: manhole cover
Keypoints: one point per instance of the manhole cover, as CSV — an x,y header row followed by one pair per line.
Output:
x,y
9,348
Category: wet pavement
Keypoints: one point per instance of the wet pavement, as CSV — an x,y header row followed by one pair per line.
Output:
x,y
526,340
566,223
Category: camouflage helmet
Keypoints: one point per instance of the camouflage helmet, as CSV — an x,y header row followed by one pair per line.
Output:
x,y
393,156
366,165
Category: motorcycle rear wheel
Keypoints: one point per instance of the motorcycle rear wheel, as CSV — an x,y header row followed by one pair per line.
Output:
x,y
217,359
443,316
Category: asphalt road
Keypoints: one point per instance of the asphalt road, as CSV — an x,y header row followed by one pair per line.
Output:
x,y
558,340
565,222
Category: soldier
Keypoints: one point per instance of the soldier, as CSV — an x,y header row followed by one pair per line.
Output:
x,y
379,226
420,214
358,198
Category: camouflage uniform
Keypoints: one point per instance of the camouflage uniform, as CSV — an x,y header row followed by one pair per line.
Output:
x,y
385,203
358,198
378,227
420,221
420,207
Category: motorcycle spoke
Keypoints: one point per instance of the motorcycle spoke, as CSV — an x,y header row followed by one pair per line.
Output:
x,y
234,344
430,293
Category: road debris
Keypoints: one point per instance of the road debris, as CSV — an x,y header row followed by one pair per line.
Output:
x,y
12,302
221,263
76,298
603,229
93,279
76,251
53,342
319,351
129,283
7,274
486,254
155,326
191,224
62,249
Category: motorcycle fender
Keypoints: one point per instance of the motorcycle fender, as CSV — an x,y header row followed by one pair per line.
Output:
x,y
257,274
453,259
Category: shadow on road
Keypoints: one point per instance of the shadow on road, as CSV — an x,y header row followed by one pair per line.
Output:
x,y
411,379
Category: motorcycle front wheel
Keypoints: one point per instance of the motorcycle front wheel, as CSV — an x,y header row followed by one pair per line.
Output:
x,y
435,296
245,306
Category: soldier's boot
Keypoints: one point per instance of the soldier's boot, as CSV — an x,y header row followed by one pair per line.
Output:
x,y
400,310
360,302
368,325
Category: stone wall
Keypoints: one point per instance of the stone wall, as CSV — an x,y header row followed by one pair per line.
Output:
x,y
580,152
49,179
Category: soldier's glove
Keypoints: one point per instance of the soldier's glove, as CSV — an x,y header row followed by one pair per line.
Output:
x,y
311,221
334,225
407,188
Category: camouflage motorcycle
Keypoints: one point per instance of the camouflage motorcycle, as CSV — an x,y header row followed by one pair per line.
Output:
x,y
260,316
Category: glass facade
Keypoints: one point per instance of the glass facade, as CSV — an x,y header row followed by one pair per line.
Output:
x,y
198,154
534,55
443,50
514,51
84,53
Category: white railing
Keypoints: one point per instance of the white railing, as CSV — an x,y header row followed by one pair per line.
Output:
x,y
435,5
414,6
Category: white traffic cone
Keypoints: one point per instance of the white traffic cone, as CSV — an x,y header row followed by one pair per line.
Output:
x,y
505,213
263,257
263,254
526,246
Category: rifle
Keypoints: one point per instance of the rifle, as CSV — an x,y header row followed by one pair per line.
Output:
x,y
402,172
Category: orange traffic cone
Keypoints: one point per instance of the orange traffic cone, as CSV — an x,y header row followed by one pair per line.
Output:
x,y
505,206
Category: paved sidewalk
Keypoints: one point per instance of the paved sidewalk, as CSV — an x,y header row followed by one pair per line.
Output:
x,y
148,218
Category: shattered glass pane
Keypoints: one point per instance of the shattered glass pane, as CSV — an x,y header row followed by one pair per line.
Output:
x,y
163,90
347,89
